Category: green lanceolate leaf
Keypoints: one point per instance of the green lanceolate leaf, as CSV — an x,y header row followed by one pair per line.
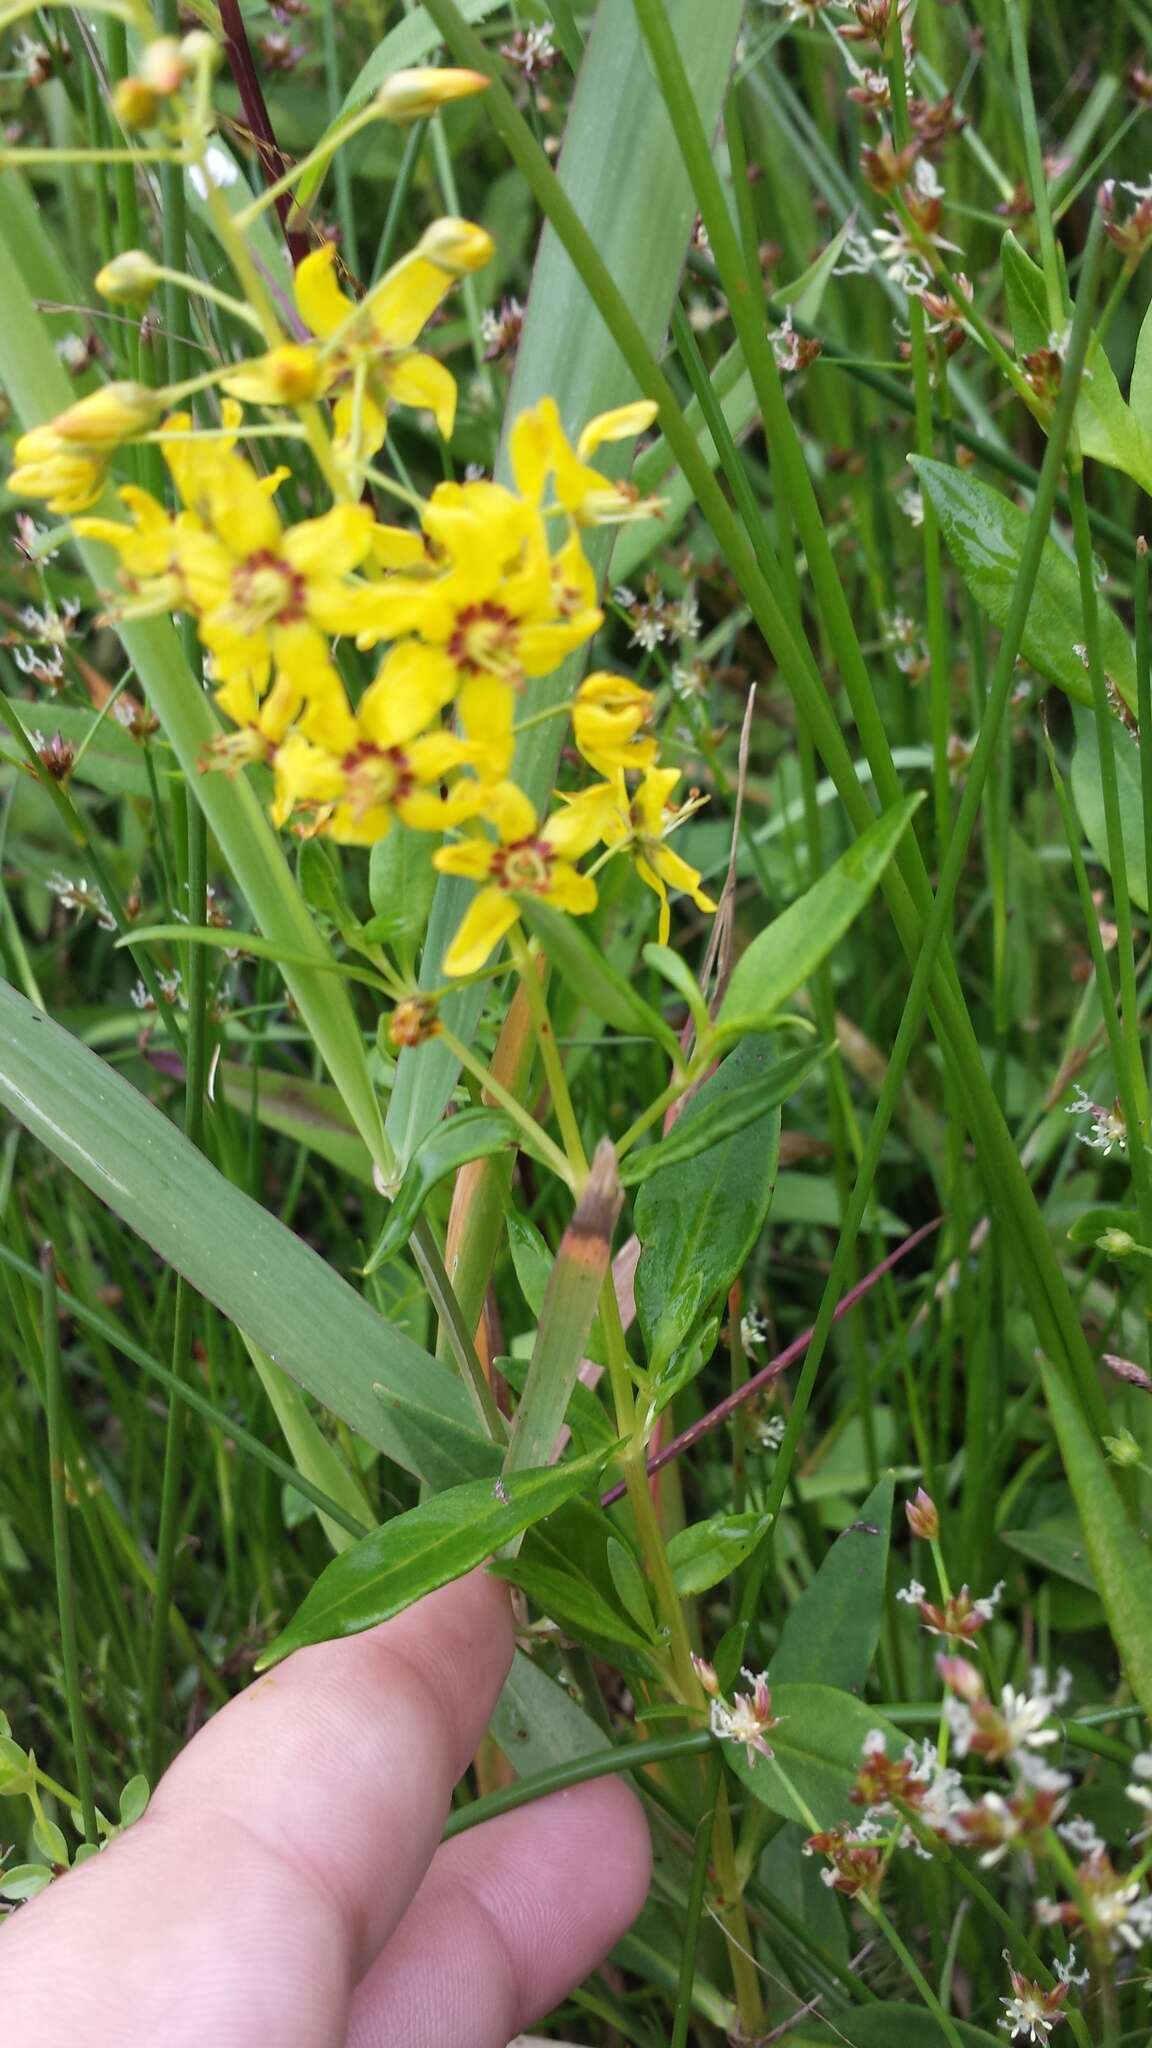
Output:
x,y
1108,430
706,1553
401,885
262,1277
1117,1552
432,1544
697,1222
984,533
472,1134
1027,297
743,1106
818,1746
1088,796
583,967
830,1636
785,956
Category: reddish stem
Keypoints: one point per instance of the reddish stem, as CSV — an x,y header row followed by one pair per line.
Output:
x,y
273,162
775,1366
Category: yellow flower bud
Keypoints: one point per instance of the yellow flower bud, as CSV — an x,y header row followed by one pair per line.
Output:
x,y
163,66
289,375
413,95
134,104
67,479
106,417
131,275
457,246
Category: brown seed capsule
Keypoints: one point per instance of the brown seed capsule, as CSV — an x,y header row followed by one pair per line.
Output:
x,y
413,1022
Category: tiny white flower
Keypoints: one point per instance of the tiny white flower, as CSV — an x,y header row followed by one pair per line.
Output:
x,y
218,169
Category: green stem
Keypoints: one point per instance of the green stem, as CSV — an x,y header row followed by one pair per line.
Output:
x,y
536,1140
599,1763
549,1052
61,1547
946,2025
1133,1079
697,1882
426,1253
196,968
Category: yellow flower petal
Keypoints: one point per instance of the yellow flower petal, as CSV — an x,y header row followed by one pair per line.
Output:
x,y
423,383
403,302
484,924
290,375
512,813
331,546
571,891
623,423
471,858
412,686
319,300
361,427
532,445
397,547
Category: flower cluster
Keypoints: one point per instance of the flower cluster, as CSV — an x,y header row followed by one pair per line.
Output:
x,y
464,610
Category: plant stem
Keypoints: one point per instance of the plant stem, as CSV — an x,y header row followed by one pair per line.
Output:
x,y
549,1052
599,1763
61,1545
537,1140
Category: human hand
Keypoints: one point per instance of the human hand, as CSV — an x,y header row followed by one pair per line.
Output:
x,y
286,1889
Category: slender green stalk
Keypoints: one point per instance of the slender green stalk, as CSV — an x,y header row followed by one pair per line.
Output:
x,y
1106,729
173,1468
599,1763
899,1948
61,1545
427,1255
697,1883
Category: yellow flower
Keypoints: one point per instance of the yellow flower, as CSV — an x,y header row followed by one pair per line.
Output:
x,y
606,717
641,822
357,770
502,606
370,340
46,467
65,461
540,448
526,859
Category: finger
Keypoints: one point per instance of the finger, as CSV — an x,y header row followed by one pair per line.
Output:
x,y
514,1913
279,1851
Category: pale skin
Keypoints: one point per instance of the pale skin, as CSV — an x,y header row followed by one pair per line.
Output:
x,y
286,1888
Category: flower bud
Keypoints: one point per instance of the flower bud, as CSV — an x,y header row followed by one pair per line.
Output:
x,y
163,66
199,49
1117,1244
134,104
707,1676
131,275
106,417
1122,1449
413,95
458,246
961,1677
923,1519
